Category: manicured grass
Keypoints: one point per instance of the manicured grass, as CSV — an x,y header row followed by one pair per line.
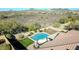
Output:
x,y
26,42
5,47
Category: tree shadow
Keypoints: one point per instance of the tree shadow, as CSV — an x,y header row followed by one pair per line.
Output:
x,y
17,45
77,48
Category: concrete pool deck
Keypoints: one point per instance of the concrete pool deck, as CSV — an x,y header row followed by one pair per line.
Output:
x,y
53,36
41,41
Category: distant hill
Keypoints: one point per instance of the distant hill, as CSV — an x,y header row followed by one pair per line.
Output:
x,y
75,9
43,17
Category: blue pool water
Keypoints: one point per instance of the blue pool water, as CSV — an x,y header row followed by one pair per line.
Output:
x,y
39,36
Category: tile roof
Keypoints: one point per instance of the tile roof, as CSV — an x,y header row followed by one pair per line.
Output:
x,y
63,47
71,37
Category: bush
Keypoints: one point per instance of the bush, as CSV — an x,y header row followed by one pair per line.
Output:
x,y
21,36
2,41
5,47
67,28
34,27
12,27
9,36
62,21
31,33
76,27
56,24
40,30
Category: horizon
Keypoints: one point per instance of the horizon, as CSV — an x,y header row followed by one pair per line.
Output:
x,y
21,9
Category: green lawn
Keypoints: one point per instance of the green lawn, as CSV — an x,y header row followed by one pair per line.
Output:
x,y
26,42
5,47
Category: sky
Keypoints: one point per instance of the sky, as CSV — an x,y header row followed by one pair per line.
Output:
x,y
14,9
73,8
19,9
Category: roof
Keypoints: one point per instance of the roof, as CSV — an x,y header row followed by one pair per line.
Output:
x,y
71,37
63,47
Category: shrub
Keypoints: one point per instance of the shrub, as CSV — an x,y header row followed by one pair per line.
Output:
x,y
62,21
5,47
56,24
10,36
21,36
2,41
73,25
67,28
76,27
34,27
31,33
12,27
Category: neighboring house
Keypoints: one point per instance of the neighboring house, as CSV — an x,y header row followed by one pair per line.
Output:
x,y
64,41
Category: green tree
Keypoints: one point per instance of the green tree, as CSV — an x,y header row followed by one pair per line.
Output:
x,y
12,27
56,24
34,26
63,20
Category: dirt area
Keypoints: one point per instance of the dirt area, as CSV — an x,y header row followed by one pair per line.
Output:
x,y
3,37
7,42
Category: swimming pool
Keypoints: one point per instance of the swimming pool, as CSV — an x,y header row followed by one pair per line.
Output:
x,y
39,36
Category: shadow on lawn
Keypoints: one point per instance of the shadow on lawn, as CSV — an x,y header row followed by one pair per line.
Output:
x,y
17,45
